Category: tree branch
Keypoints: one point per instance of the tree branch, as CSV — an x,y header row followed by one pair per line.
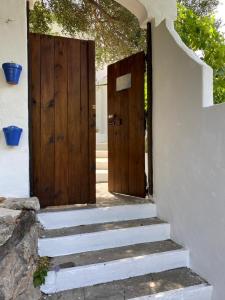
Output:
x,y
98,6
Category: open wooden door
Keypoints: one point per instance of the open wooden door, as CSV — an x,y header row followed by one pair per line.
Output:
x,y
62,120
126,126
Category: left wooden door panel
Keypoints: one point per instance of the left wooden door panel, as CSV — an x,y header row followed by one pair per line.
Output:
x,y
62,119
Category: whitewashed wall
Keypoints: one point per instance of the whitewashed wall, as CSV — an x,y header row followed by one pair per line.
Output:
x,y
101,111
14,162
189,155
101,106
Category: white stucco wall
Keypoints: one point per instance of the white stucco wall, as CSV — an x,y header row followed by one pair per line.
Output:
x,y
14,162
146,10
101,111
189,155
189,142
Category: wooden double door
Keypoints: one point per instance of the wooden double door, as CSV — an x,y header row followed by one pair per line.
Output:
x,y
62,120
126,126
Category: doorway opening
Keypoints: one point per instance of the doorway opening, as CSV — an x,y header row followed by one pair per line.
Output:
x,y
121,155
112,146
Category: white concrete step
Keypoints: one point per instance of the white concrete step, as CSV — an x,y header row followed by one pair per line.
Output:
x,y
73,244
196,292
102,163
102,146
101,176
62,219
101,154
77,277
173,284
116,250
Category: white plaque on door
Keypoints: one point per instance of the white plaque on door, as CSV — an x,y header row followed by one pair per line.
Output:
x,y
123,82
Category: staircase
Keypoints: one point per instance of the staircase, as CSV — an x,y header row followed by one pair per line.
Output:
x,y
101,163
115,253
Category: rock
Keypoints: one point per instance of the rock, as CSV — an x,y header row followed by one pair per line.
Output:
x,y
18,260
8,221
1,200
21,203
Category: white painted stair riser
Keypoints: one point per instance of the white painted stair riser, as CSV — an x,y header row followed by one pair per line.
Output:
x,y
101,176
102,146
63,219
101,154
77,277
198,292
72,244
102,164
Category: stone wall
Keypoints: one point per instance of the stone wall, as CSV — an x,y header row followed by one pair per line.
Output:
x,y
18,249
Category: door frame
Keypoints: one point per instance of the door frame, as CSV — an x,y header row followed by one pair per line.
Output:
x,y
150,103
31,185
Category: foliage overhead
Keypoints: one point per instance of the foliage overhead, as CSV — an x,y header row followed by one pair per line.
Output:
x,y
201,7
115,30
117,33
201,33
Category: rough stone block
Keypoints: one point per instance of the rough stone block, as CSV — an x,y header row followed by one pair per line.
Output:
x,y
21,203
8,220
18,258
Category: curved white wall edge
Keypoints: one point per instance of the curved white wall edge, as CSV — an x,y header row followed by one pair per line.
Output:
x,y
207,71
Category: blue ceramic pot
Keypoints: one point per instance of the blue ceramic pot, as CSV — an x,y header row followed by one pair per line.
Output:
x,y
12,135
12,72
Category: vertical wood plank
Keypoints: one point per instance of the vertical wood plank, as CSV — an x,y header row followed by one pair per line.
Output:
x,y
117,137
124,100
136,128
84,125
61,141
92,122
111,87
47,160
74,121
35,104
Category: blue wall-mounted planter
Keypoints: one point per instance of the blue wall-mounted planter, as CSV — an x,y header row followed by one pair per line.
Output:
x,y
12,135
12,72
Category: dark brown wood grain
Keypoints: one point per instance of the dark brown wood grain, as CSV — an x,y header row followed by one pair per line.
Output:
x,y
92,121
47,161
35,109
62,80
61,121
84,123
111,156
126,140
74,134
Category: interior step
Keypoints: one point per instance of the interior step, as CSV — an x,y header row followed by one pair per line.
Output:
x,y
175,284
78,243
102,146
101,176
108,271
102,163
88,216
101,153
